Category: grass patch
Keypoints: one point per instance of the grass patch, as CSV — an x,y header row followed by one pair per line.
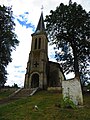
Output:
x,y
23,109
6,92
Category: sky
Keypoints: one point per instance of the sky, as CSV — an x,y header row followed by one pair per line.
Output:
x,y
26,14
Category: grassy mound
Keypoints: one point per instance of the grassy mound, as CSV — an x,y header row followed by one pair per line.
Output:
x,y
47,108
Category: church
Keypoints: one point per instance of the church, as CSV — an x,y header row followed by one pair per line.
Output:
x,y
40,72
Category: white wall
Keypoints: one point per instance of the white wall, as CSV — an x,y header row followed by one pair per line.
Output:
x,y
72,88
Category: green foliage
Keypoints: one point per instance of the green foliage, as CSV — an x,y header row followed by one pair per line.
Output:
x,y
15,85
8,40
68,27
88,86
67,103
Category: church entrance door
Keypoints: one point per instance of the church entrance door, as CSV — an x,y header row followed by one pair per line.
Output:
x,y
35,81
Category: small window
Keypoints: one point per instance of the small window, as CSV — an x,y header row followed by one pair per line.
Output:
x,y
36,43
39,45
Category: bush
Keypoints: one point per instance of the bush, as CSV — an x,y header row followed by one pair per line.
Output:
x,y
67,103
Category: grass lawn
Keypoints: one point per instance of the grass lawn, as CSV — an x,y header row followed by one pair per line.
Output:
x,y
6,92
23,109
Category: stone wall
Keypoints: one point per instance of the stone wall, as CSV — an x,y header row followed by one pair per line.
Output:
x,y
72,88
55,75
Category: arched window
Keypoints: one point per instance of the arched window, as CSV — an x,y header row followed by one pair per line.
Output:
x,y
39,43
35,43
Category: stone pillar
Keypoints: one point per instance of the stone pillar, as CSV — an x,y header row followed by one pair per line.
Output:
x,y
44,81
41,81
26,81
29,82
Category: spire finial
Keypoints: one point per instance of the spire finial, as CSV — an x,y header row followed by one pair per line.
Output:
x,y
40,26
42,8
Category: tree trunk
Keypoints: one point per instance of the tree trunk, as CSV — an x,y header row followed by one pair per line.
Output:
x,y
76,66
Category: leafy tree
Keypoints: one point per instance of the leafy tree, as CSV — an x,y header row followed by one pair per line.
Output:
x,y
8,40
88,86
68,27
15,85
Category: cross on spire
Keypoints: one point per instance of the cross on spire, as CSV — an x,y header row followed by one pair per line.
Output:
x,y
42,8
40,26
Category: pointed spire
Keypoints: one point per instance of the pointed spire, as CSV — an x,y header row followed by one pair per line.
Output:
x,y
40,26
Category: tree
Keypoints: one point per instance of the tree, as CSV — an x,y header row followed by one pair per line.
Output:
x,y
68,27
8,40
15,85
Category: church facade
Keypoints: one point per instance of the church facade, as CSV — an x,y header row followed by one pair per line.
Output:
x,y
41,72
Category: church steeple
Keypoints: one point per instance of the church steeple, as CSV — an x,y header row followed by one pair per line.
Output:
x,y
40,26
39,69
36,75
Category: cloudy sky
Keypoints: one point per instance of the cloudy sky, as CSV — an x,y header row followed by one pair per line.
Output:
x,y
27,13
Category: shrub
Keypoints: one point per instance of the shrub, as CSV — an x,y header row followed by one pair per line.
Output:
x,y
66,102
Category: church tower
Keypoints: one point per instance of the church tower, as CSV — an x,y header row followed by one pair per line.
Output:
x,y
36,75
